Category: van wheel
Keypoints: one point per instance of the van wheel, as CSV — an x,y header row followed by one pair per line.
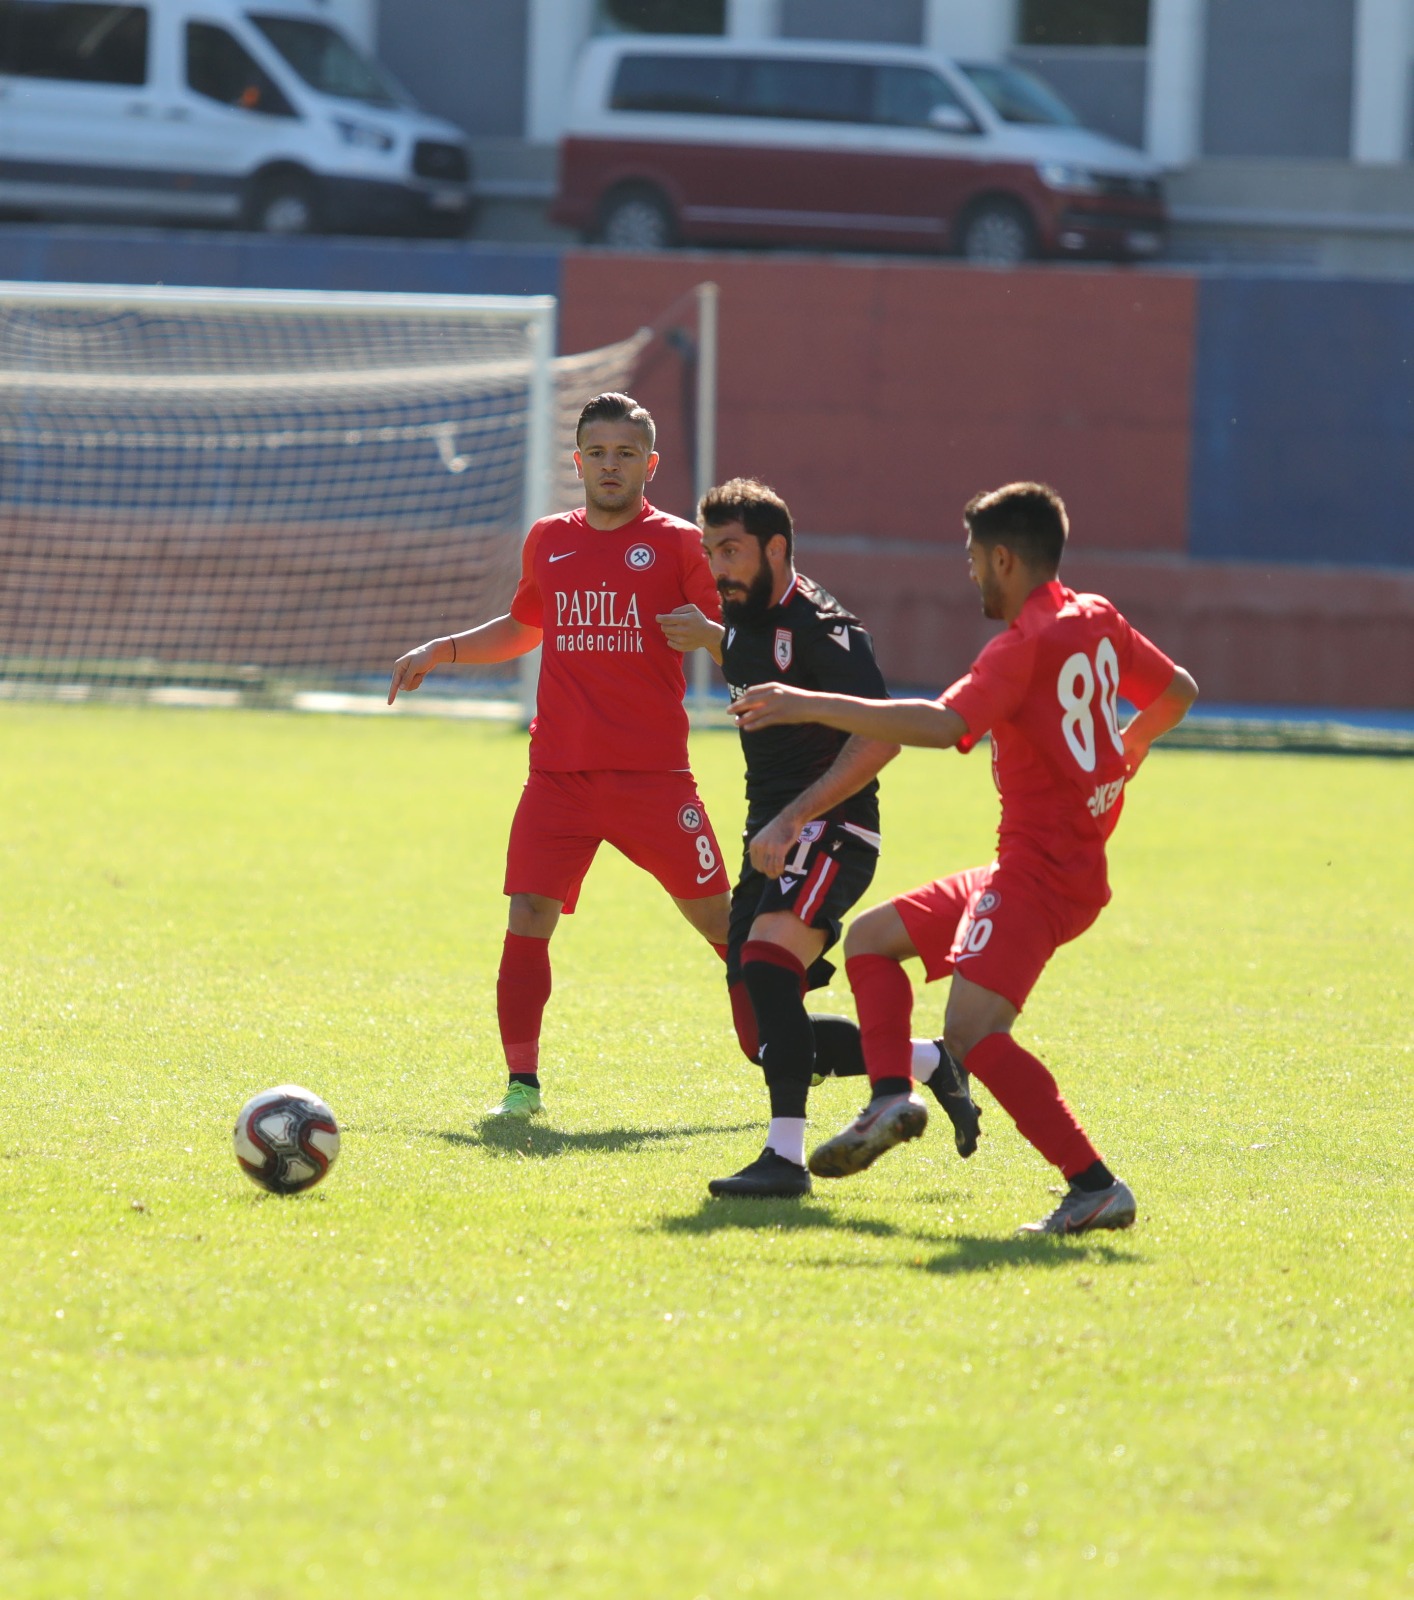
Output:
x,y
283,204
997,233
636,219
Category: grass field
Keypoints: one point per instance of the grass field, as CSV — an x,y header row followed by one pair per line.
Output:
x,y
480,1362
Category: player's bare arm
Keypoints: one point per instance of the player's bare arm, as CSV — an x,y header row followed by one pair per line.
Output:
x,y
689,628
501,639
859,762
911,722
1157,719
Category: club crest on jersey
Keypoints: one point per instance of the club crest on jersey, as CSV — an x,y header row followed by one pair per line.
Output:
x,y
785,648
640,557
690,819
811,832
987,902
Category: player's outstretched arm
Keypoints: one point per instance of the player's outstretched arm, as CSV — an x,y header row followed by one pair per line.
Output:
x,y
859,761
916,722
1157,718
497,640
689,628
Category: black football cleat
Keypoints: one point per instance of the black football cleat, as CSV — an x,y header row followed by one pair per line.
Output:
x,y
769,1177
952,1089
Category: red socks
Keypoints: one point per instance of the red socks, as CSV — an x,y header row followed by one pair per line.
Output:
x,y
522,988
883,997
1029,1095
744,1019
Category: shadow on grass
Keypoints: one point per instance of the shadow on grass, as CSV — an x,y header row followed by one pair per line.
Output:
x,y
970,1253
516,1137
789,1216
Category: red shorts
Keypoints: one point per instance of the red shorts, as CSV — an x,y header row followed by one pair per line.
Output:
x,y
656,819
994,928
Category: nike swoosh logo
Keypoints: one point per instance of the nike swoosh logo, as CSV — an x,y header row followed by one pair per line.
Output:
x,y
561,556
706,877
1075,1224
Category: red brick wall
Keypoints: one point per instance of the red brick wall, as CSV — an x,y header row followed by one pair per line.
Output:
x,y
879,396
1304,636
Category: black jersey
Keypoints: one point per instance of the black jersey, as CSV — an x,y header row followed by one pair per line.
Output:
x,y
810,642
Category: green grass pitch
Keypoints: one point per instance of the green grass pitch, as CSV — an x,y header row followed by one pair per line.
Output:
x,y
511,1363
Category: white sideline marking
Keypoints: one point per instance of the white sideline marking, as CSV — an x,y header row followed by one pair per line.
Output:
x,y
175,694
374,705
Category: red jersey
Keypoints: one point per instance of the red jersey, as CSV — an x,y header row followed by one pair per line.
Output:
x,y
611,686
1047,690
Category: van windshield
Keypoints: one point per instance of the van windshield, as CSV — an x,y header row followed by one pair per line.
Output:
x,y
327,61
1018,97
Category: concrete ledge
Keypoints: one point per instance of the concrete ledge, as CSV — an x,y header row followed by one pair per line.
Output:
x,y
1300,636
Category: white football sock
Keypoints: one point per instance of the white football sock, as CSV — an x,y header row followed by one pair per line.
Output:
x,y
786,1136
927,1058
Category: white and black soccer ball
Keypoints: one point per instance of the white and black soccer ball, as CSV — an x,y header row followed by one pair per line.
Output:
x,y
286,1139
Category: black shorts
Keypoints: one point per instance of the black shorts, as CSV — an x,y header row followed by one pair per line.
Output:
x,y
826,873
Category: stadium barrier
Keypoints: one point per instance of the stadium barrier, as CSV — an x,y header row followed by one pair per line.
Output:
x,y
1233,448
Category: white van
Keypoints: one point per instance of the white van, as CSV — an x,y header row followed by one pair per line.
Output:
x,y
735,141
256,112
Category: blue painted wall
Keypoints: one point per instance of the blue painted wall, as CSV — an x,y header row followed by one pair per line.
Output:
x,y
37,254
1303,422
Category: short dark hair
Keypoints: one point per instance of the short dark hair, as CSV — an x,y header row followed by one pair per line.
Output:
x,y
615,407
756,506
1028,518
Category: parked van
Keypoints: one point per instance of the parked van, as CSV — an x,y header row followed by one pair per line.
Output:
x,y
259,113
701,141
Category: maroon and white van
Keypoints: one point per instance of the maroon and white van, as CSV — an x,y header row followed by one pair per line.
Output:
x,y
708,141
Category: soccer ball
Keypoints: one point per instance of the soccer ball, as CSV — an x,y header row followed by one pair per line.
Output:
x,y
286,1139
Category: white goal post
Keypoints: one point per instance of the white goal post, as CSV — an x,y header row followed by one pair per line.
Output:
x,y
243,491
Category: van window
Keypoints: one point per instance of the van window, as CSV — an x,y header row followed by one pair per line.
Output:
x,y
77,43
1018,97
327,61
697,85
814,91
907,96
220,67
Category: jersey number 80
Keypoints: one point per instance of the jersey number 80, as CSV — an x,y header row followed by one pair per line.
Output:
x,y
1076,690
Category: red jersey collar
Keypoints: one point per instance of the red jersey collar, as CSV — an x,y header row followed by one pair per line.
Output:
x,y
1048,597
581,514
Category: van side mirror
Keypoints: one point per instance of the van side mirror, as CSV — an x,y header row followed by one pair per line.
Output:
x,y
951,119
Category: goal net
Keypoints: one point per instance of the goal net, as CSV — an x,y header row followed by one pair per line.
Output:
x,y
234,492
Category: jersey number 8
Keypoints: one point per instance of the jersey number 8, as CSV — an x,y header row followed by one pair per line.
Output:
x,y
1075,689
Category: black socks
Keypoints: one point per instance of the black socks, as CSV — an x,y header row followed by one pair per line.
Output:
x,y
787,1053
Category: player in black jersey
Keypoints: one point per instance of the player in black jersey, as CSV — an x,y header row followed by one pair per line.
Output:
x,y
812,824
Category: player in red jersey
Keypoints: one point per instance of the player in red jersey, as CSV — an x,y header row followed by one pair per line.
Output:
x,y
608,744
1047,690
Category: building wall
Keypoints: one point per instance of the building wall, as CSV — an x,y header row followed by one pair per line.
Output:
x,y
462,59
1106,88
1269,78
1275,88
883,21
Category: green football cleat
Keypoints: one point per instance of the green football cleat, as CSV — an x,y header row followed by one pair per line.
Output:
x,y
520,1101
